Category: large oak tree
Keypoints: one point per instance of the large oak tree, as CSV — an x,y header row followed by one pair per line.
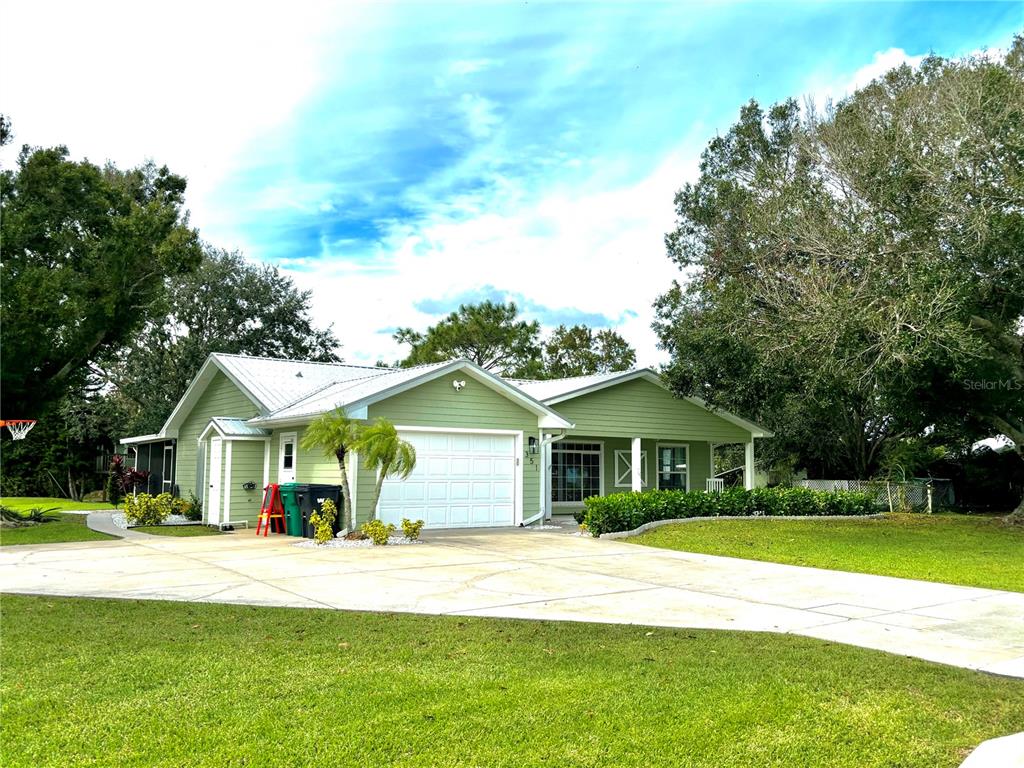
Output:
x,y
857,275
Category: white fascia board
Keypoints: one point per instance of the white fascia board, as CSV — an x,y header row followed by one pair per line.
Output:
x,y
647,374
157,438
196,388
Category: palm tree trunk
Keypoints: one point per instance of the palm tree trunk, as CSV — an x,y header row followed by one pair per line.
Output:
x,y
347,519
382,473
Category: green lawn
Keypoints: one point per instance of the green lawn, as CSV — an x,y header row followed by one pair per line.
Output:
x,y
48,502
68,528
975,550
178,530
136,683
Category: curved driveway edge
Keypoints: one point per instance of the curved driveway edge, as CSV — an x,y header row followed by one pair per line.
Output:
x,y
543,575
676,520
103,522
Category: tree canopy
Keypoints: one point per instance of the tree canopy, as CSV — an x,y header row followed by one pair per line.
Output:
x,y
490,334
86,251
578,351
494,337
857,276
227,305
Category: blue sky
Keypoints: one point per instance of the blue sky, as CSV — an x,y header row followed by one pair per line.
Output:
x,y
400,159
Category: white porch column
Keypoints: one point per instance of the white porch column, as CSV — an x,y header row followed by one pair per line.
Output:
x,y
637,477
748,466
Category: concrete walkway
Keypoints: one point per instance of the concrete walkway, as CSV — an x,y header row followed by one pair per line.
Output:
x,y
542,575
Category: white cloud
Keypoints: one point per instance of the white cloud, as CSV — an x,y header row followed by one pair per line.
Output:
x,y
480,114
599,252
843,85
187,84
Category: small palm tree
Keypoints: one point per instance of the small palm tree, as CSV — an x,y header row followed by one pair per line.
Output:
x,y
336,435
384,451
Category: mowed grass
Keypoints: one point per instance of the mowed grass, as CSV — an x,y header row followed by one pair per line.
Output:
x,y
69,528
177,530
49,502
171,684
973,550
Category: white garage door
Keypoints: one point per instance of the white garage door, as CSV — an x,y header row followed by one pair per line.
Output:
x,y
460,481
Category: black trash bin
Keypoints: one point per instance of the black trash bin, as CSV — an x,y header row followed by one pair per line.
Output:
x,y
312,496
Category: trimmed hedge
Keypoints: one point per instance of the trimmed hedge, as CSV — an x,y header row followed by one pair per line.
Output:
x,y
626,511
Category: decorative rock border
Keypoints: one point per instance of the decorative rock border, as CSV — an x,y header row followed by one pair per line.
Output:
x,y
658,523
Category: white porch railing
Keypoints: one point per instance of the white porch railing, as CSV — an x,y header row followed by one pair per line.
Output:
x,y
715,485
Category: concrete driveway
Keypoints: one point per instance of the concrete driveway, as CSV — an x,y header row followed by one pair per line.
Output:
x,y
542,574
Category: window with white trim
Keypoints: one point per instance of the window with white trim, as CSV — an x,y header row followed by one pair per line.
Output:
x,y
575,471
624,469
672,467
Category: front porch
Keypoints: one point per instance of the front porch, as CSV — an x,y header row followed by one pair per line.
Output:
x,y
580,466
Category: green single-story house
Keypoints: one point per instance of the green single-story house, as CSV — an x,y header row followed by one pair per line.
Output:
x,y
490,451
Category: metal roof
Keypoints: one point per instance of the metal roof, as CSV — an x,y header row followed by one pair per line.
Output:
x,y
238,428
277,383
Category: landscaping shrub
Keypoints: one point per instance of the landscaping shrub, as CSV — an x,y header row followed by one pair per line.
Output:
x,y
322,521
17,518
411,528
193,509
378,531
626,511
148,510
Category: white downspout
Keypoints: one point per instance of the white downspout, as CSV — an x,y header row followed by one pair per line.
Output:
x,y
545,469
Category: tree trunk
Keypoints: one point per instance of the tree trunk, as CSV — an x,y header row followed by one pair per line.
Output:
x,y
381,475
1016,435
347,519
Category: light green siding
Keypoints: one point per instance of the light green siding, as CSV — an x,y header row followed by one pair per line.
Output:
x,y
437,404
310,466
246,466
221,398
641,408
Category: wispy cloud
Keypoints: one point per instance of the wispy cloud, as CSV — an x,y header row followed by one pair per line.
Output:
x,y
397,159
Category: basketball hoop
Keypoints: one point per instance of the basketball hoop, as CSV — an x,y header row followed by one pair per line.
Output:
x,y
18,427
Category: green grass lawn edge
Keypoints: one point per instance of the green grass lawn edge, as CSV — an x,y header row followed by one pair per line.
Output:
x,y
139,683
969,550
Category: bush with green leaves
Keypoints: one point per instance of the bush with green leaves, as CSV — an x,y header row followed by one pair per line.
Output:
x,y
21,517
626,511
378,531
144,509
322,521
194,508
411,528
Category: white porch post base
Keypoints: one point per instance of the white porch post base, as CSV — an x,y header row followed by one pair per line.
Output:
x,y
636,470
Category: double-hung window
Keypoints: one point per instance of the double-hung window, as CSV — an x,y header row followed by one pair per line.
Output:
x,y
672,467
575,472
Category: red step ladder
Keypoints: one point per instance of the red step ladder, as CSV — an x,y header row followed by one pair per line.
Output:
x,y
272,509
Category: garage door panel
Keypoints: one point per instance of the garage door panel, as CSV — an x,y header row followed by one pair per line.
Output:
x,y
458,514
461,479
435,516
503,513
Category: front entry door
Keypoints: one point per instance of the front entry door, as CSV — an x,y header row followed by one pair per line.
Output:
x,y
213,482
286,459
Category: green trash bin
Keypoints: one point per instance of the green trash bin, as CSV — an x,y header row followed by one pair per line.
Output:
x,y
292,509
